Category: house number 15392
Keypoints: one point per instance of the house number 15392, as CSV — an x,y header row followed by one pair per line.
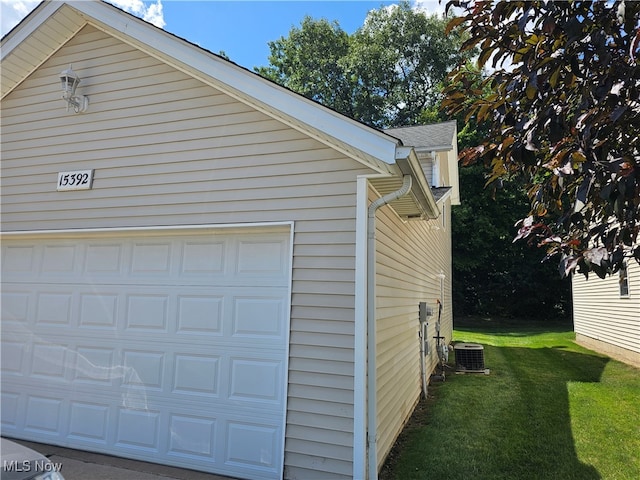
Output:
x,y
78,180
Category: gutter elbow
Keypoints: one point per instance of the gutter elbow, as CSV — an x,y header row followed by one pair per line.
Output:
x,y
407,183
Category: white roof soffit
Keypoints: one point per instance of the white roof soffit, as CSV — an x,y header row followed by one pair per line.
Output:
x,y
43,32
420,203
367,145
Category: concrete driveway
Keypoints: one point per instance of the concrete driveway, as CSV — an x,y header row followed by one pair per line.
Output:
x,y
79,465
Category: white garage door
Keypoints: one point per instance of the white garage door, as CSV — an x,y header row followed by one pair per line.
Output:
x,y
167,347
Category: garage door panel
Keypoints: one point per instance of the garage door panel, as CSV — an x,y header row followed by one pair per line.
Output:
x,y
19,259
144,368
251,444
54,307
171,349
104,260
147,312
9,405
258,316
189,256
15,305
12,357
147,280
178,367
150,258
200,314
59,259
215,438
94,365
44,414
89,421
203,258
262,258
251,311
48,361
192,437
98,309
255,380
138,429
197,375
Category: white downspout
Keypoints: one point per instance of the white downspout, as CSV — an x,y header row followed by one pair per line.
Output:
x,y
372,423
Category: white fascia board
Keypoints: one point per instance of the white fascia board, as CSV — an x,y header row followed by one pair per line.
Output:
x,y
436,148
403,152
237,81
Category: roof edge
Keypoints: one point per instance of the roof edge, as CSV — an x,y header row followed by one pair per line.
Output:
x,y
247,86
408,163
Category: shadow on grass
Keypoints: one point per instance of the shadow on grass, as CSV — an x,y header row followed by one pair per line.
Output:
x,y
512,424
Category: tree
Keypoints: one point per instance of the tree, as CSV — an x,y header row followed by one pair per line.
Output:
x,y
564,117
492,275
384,74
404,57
392,72
312,61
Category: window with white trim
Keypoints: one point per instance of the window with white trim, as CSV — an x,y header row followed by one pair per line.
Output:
x,y
623,279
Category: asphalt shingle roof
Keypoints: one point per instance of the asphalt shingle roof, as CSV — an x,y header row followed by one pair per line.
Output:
x,y
425,136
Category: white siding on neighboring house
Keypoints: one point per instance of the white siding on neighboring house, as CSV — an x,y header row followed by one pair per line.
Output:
x,y
606,321
409,257
170,150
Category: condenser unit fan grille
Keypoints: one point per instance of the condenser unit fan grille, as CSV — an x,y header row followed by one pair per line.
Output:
x,y
469,357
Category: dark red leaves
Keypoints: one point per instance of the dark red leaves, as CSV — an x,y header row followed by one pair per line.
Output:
x,y
564,118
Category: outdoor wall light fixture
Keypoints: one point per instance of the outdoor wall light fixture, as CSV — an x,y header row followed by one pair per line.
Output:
x,y
70,81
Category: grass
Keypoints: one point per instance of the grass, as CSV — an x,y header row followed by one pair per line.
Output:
x,y
549,409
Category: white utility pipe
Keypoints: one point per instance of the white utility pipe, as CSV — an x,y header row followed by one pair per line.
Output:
x,y
424,329
372,424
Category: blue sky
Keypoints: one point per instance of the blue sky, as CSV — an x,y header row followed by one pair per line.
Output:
x,y
240,28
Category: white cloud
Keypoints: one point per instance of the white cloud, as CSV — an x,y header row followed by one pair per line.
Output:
x,y
13,11
154,15
427,7
151,13
430,7
137,7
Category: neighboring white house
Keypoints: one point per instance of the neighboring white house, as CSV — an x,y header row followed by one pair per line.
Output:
x,y
606,313
190,266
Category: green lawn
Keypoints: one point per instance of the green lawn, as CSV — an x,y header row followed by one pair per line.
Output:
x,y
549,409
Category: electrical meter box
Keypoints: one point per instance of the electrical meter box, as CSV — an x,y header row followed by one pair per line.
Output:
x,y
424,312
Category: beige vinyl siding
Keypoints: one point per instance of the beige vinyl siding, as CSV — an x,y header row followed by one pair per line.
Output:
x,y
170,150
409,256
605,321
444,168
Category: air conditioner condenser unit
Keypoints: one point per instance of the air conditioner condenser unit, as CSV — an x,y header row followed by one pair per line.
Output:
x,y
469,357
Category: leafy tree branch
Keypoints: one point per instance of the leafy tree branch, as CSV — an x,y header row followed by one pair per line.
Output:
x,y
564,117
